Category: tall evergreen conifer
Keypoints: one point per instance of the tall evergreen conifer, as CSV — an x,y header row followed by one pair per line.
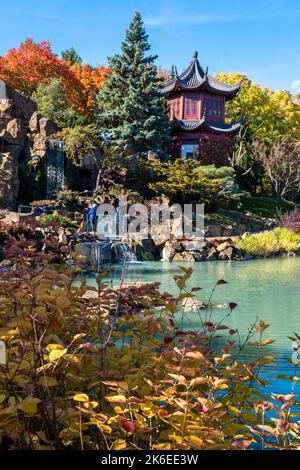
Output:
x,y
131,106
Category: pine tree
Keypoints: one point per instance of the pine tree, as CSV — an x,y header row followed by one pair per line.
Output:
x,y
131,106
71,56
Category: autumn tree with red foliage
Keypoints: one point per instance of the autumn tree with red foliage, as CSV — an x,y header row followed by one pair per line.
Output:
x,y
33,64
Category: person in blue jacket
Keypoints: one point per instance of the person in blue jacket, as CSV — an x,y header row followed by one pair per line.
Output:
x,y
92,218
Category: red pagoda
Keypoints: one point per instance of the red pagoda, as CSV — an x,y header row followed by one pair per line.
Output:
x,y
197,109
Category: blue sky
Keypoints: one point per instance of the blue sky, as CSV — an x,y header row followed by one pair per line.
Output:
x,y
259,37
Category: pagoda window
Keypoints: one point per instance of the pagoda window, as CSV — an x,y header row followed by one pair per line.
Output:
x,y
219,109
188,103
215,108
177,107
210,108
205,106
191,107
195,106
174,106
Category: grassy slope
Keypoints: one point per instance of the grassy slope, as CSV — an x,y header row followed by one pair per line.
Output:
x,y
265,206
258,209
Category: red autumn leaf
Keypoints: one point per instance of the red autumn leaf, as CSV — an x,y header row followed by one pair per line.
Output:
x,y
222,327
221,282
129,426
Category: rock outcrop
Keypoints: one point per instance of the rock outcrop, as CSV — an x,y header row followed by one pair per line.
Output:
x,y
22,131
9,179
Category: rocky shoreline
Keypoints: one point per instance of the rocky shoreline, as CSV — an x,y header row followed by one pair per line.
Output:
x,y
210,249
220,243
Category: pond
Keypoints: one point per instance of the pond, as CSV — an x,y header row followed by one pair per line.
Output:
x,y
267,289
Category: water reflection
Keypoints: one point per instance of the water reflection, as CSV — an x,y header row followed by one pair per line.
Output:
x,y
268,289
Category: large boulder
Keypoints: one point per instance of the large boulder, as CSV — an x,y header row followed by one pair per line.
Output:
x,y
23,106
152,156
227,231
227,254
185,256
197,244
15,133
222,246
9,179
213,254
34,125
214,231
168,252
39,146
47,127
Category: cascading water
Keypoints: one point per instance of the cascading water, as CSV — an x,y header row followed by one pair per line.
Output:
x,y
125,253
55,169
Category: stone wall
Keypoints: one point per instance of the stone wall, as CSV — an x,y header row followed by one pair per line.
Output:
x,y
22,129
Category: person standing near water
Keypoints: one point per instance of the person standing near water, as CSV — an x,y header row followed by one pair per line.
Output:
x,y
92,218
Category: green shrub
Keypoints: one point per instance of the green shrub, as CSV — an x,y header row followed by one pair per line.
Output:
x,y
94,372
78,141
183,181
268,243
230,194
60,220
261,244
52,103
290,241
71,200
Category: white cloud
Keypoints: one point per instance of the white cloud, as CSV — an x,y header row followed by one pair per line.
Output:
x,y
296,86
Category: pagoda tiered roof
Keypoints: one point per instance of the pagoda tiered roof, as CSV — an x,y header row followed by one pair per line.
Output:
x,y
195,77
204,124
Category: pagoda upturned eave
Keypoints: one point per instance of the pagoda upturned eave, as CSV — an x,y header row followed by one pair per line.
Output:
x,y
195,78
210,126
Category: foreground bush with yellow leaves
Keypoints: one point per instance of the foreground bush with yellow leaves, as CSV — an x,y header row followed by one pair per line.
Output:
x,y
97,372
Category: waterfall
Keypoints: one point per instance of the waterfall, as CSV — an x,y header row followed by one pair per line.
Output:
x,y
55,169
125,253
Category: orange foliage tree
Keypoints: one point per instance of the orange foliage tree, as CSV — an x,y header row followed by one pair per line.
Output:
x,y
33,64
91,80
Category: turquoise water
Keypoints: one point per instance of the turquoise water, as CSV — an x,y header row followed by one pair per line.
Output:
x,y
267,289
